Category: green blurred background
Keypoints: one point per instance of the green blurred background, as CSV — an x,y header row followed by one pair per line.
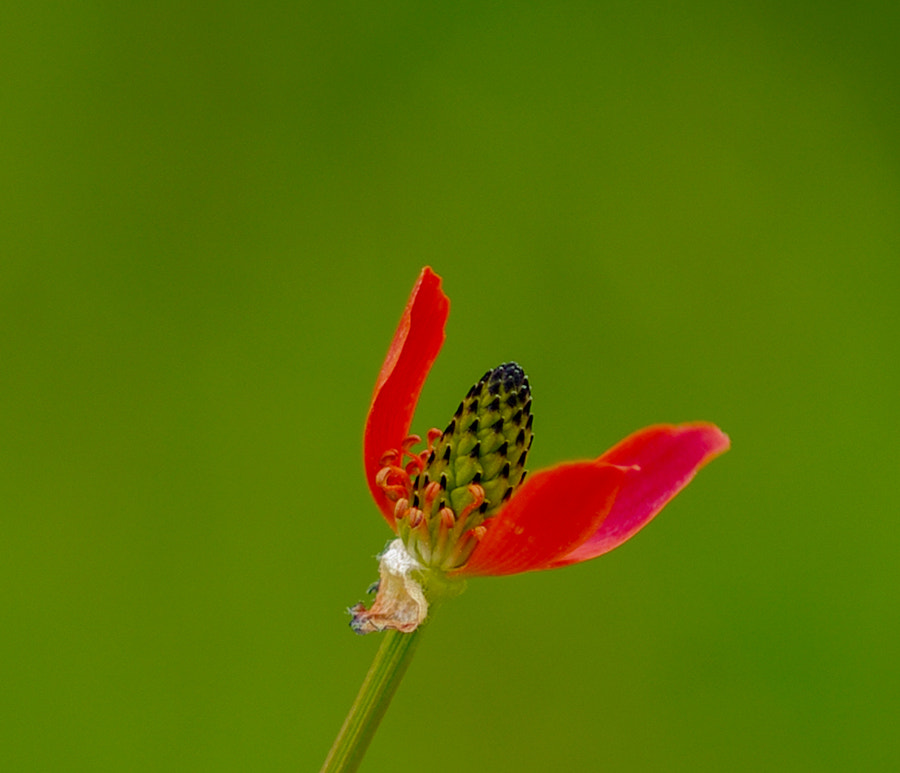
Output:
x,y
210,219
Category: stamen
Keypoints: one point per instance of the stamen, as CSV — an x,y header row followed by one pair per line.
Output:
x,y
401,509
478,493
447,520
421,540
390,458
393,492
409,442
393,481
463,548
432,491
433,434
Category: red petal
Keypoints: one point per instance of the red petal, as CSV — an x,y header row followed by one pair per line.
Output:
x,y
415,346
668,457
553,512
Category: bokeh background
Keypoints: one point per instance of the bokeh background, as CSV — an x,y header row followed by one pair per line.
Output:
x,y
210,219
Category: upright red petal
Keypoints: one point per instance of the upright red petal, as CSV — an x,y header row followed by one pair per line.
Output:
x,y
555,511
668,457
412,352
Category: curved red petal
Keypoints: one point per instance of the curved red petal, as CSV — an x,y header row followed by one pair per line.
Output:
x,y
668,457
412,352
555,511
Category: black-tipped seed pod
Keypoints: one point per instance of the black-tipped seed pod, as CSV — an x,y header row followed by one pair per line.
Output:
x,y
484,444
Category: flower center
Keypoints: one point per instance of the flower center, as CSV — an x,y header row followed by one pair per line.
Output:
x,y
446,495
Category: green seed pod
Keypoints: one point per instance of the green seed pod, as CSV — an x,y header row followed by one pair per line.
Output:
x,y
486,443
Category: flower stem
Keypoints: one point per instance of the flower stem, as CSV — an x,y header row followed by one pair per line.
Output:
x,y
374,696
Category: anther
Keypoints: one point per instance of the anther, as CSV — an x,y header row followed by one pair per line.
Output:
x,y
432,490
381,477
409,442
401,508
390,458
477,493
393,481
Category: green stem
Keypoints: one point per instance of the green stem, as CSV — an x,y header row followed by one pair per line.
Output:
x,y
374,696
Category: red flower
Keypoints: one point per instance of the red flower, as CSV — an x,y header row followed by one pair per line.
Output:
x,y
460,506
